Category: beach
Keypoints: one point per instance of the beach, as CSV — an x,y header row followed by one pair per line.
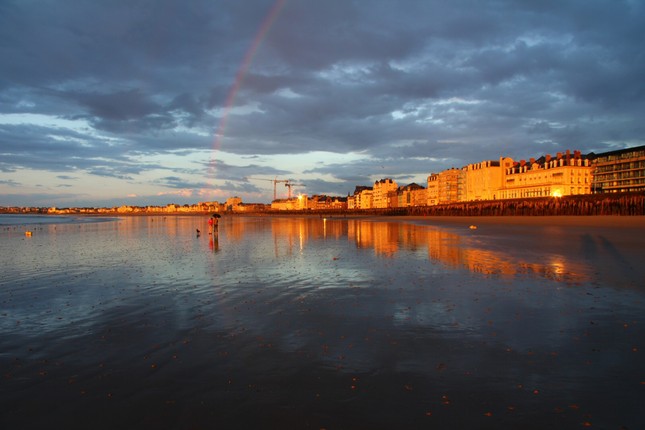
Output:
x,y
311,322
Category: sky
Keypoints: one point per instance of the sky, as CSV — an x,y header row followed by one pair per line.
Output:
x,y
151,102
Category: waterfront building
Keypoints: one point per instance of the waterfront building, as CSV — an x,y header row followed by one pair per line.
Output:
x,y
284,205
450,186
393,198
351,202
411,195
619,171
380,193
231,202
125,209
250,207
354,201
564,175
432,191
364,199
213,206
482,180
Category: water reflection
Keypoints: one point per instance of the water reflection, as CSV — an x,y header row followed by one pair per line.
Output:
x,y
390,239
315,323
572,259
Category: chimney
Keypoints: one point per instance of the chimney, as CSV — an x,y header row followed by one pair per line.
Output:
x,y
559,155
548,157
522,163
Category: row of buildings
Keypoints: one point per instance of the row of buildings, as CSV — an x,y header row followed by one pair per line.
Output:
x,y
565,174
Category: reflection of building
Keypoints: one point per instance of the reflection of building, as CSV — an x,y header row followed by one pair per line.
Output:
x,y
451,249
383,237
291,235
619,171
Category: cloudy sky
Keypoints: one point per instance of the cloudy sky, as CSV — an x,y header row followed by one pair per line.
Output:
x,y
104,103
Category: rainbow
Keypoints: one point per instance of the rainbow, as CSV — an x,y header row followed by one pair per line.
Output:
x,y
266,25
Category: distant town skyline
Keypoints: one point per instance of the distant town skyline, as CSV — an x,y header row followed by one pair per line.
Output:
x,y
105,104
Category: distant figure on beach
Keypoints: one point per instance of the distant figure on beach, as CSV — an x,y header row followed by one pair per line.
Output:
x,y
212,224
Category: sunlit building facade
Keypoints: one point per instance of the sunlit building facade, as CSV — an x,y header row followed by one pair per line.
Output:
x,y
351,202
564,175
411,195
432,190
567,173
364,199
483,180
381,189
450,186
619,171
323,202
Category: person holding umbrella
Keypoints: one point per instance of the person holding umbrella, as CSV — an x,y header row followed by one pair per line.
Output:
x,y
213,221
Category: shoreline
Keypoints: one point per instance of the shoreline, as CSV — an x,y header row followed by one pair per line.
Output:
x,y
612,221
617,221
603,204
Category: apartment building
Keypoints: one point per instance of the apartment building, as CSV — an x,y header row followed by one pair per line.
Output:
x,y
365,199
381,190
322,202
450,184
482,181
619,171
411,195
563,175
432,190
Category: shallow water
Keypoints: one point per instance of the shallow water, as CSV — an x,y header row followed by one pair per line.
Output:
x,y
312,323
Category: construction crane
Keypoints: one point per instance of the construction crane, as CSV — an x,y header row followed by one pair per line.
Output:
x,y
290,184
275,183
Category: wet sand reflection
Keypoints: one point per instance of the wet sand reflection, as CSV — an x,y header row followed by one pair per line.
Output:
x,y
321,323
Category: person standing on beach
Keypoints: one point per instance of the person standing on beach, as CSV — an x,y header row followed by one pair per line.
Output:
x,y
212,224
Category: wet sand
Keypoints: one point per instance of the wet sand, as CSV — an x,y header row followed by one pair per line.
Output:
x,y
379,323
588,221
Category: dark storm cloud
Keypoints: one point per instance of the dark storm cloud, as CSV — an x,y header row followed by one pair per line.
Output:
x,y
415,86
242,172
178,183
63,150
